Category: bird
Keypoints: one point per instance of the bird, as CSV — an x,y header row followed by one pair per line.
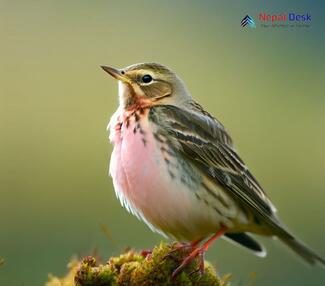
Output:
x,y
174,166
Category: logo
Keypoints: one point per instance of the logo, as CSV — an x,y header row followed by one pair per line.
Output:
x,y
284,17
280,20
248,21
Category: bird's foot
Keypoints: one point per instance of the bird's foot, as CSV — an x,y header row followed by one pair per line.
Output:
x,y
183,247
197,252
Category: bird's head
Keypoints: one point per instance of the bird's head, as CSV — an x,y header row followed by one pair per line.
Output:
x,y
151,83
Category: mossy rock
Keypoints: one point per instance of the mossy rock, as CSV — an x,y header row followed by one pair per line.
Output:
x,y
134,269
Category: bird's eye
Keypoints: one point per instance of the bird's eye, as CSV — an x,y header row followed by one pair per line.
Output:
x,y
147,78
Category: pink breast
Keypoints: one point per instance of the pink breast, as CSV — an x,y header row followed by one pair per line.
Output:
x,y
143,164
141,176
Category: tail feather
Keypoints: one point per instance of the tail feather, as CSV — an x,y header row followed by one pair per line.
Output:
x,y
301,249
246,241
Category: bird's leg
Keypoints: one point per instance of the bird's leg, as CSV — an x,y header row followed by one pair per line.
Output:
x,y
184,245
181,247
199,252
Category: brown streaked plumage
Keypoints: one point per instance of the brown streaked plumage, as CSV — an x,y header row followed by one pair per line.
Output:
x,y
181,173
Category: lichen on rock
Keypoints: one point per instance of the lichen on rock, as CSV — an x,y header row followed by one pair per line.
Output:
x,y
135,269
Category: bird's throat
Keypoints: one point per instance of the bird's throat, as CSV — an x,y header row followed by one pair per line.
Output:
x,y
131,98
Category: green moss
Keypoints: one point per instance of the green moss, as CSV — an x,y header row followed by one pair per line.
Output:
x,y
132,269
90,274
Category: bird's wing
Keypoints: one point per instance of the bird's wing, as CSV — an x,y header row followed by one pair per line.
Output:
x,y
203,140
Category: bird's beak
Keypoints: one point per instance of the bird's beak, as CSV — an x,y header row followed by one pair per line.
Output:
x,y
116,73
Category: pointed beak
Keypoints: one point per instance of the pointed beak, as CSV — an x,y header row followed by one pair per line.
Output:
x,y
116,73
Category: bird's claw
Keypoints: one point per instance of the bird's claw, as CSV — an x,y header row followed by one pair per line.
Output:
x,y
178,247
197,252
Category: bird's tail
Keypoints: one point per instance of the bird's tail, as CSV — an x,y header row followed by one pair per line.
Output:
x,y
301,249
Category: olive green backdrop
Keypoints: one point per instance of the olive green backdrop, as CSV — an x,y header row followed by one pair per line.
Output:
x,y
265,85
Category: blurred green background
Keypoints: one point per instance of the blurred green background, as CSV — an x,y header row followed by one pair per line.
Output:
x,y
266,85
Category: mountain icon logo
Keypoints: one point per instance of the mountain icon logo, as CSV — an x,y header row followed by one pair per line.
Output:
x,y
248,21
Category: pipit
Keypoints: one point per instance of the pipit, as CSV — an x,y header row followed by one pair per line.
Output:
x,y
174,166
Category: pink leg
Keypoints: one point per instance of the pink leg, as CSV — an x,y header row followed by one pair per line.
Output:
x,y
199,251
183,246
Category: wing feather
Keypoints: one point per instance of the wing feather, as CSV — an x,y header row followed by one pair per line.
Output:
x,y
204,141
